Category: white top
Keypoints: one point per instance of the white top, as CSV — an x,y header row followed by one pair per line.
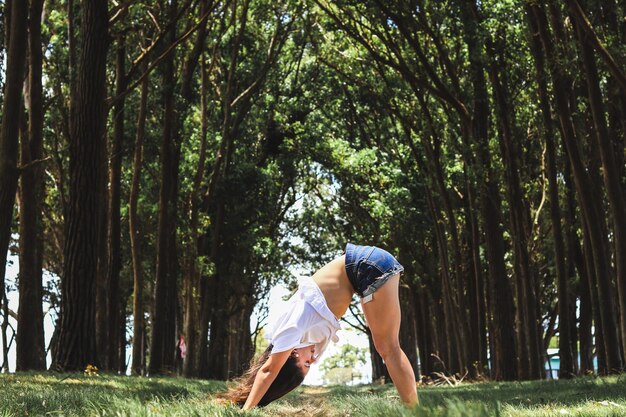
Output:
x,y
304,320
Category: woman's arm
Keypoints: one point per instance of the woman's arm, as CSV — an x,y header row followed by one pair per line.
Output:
x,y
265,376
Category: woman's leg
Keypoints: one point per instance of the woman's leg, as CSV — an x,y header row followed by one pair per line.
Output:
x,y
383,317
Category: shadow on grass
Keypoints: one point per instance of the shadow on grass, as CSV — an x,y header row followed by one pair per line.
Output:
x,y
75,394
567,393
533,393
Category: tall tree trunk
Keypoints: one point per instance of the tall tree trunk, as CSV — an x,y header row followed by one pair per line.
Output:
x,y
138,364
566,339
530,344
77,341
114,301
217,288
30,337
454,302
163,344
503,322
102,285
612,181
478,303
454,361
194,274
9,133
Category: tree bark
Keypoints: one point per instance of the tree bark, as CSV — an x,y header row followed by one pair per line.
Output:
x,y
163,344
9,133
76,340
138,364
566,339
190,365
530,364
478,305
30,350
503,323
610,171
114,299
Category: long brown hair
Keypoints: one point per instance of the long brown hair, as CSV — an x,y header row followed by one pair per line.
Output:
x,y
288,378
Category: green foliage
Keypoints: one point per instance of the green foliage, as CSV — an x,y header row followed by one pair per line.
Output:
x,y
340,367
349,357
337,376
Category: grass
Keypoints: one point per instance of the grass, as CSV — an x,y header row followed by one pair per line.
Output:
x,y
76,395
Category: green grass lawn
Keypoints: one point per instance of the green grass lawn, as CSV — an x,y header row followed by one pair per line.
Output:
x,y
77,395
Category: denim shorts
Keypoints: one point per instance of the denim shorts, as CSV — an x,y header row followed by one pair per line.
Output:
x,y
369,267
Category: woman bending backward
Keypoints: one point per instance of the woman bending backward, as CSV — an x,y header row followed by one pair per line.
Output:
x,y
301,333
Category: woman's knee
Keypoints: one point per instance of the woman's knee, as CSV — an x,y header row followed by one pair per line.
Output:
x,y
387,347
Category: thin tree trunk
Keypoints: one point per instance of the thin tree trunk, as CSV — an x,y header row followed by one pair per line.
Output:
x,y
586,309
456,352
9,133
454,360
466,355
478,303
566,341
163,344
30,337
503,322
138,364
593,217
216,289
77,339
102,285
114,223
6,345
121,342
610,172
190,366
530,345
596,301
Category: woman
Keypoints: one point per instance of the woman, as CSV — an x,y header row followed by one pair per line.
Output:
x,y
301,333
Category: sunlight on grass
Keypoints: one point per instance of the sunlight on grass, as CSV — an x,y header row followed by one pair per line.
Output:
x,y
105,395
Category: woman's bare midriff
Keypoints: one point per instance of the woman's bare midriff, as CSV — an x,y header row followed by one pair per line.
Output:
x,y
333,280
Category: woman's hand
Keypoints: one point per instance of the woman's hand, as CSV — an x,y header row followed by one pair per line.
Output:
x,y
264,378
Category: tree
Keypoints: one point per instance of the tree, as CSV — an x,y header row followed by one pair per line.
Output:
x,y
139,337
163,347
340,367
9,135
30,336
76,344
